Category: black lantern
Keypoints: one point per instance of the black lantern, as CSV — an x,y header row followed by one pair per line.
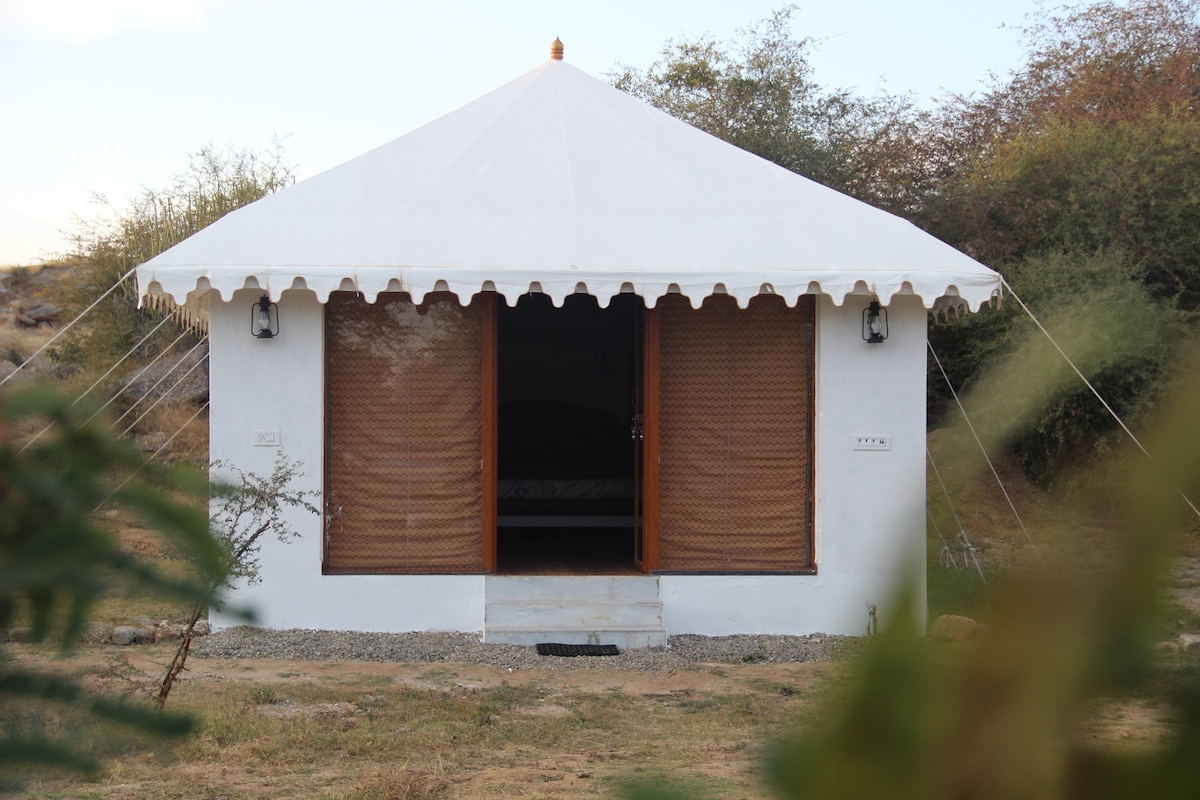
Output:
x,y
874,324
264,319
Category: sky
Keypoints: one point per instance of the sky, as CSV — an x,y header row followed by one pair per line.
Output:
x,y
105,97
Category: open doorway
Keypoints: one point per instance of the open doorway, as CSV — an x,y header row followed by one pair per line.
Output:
x,y
568,444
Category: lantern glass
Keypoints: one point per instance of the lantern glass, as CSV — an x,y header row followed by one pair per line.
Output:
x,y
264,319
874,325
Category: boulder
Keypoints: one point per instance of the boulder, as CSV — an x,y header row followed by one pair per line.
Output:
x,y
168,632
1189,640
171,371
46,313
132,634
954,627
124,635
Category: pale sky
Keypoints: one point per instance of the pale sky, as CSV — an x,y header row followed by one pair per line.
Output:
x,y
108,96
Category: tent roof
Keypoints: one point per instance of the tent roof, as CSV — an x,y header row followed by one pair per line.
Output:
x,y
560,183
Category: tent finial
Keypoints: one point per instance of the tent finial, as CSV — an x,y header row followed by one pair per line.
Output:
x,y
556,49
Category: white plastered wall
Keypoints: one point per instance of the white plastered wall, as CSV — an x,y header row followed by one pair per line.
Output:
x,y
278,385
869,504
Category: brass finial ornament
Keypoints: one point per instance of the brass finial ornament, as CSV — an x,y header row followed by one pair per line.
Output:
x,y
556,49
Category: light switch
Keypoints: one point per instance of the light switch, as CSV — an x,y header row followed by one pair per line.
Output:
x,y
266,438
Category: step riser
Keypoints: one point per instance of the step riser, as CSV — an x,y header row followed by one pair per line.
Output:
x,y
574,614
624,639
621,610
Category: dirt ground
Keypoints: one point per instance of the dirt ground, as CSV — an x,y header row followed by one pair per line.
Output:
x,y
573,733
312,729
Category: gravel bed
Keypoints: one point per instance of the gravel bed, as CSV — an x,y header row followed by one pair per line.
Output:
x,y
681,651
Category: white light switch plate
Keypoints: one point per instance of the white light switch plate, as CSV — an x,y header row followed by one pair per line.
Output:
x,y
266,438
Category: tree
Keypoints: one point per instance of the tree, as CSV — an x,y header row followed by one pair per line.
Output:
x,y
1086,158
214,184
1093,144
246,507
57,559
758,92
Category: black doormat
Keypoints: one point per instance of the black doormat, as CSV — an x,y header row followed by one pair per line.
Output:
x,y
556,649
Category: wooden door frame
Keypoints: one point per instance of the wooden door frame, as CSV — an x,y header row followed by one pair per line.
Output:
x,y
488,464
651,327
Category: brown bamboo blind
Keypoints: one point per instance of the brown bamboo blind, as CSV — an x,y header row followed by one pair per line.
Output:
x,y
735,404
404,428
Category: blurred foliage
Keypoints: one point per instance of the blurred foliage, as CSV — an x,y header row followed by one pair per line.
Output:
x,y
1001,716
1119,336
57,559
214,184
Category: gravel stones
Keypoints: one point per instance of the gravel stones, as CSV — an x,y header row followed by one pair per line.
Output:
x,y
682,651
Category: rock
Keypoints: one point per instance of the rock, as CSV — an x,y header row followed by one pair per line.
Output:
x,y
1166,647
172,370
20,634
1189,640
132,634
150,442
952,626
123,635
201,628
47,313
168,632
7,368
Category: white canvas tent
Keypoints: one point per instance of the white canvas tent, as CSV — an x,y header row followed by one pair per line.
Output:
x,y
558,185
561,181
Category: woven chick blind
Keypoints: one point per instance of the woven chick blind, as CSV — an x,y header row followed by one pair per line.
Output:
x,y
735,405
404,428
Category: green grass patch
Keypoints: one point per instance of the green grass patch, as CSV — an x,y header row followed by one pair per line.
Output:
x,y
956,591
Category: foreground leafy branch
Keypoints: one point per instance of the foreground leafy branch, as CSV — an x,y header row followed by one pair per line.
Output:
x,y
57,559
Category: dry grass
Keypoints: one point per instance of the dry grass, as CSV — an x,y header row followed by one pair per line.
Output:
x,y
390,732
18,344
180,421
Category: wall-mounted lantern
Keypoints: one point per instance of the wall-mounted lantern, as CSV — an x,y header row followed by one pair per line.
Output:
x,y
264,319
874,323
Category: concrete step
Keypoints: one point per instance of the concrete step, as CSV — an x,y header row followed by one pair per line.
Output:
x,y
623,638
530,587
577,613
621,610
